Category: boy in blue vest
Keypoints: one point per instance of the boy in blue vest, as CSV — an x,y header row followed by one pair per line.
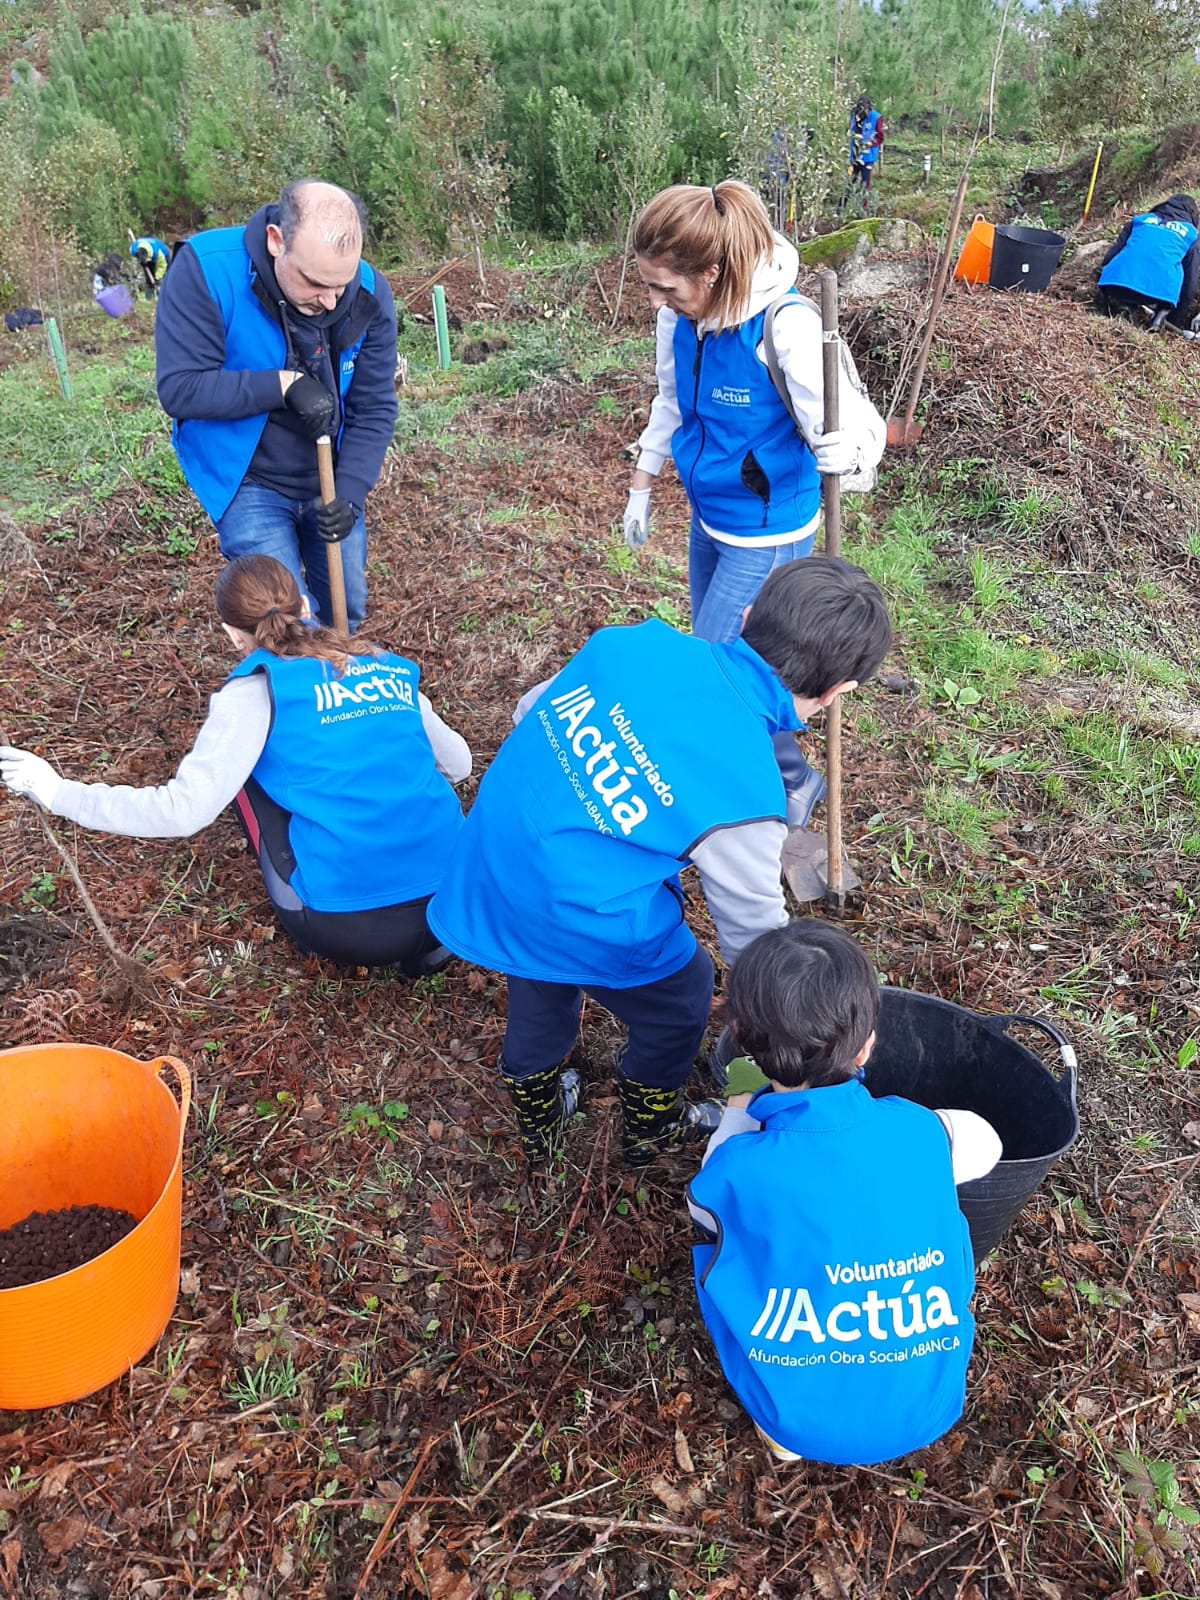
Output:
x,y
650,749
837,1285
1154,262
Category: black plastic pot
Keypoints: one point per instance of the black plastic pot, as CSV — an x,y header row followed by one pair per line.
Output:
x,y
1025,258
946,1057
950,1059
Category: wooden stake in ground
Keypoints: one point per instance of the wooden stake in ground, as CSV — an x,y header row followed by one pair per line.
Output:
x,y
907,432
831,495
333,552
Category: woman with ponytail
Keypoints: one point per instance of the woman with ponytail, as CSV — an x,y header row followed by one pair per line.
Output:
x,y
712,265
336,766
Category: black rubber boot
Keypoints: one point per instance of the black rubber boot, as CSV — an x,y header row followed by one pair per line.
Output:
x,y
544,1102
655,1119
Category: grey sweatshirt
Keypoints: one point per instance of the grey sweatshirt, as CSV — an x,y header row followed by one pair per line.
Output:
x,y
225,753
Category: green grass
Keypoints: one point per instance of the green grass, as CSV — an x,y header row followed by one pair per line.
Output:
x,y
964,820
60,453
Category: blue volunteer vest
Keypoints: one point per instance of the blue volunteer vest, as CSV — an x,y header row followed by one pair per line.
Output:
x,y
863,150
745,468
372,820
837,1292
159,254
215,452
567,868
1151,260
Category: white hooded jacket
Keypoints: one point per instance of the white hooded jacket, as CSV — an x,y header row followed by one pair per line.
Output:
x,y
797,339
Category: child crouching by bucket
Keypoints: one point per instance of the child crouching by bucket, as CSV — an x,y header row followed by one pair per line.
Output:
x,y
837,1273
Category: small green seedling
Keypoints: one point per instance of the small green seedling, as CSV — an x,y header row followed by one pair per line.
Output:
x,y
385,1119
960,695
1155,1486
42,890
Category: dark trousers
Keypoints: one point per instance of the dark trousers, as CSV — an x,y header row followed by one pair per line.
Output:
x,y
666,1021
1117,301
383,936
387,936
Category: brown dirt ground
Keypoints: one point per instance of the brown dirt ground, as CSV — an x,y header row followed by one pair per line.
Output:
x,y
492,1385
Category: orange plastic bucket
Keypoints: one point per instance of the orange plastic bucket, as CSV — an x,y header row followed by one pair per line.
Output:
x,y
82,1125
975,260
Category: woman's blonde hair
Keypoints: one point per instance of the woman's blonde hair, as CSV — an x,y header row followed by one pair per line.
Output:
x,y
258,595
694,230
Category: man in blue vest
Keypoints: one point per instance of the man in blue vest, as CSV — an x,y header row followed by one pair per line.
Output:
x,y
650,750
1154,263
267,337
866,145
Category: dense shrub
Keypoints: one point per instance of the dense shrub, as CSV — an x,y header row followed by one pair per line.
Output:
x,y
556,116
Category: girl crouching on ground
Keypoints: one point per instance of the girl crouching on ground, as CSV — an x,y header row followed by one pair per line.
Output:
x,y
335,763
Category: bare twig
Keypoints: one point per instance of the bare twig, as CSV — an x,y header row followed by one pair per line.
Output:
x,y
385,1532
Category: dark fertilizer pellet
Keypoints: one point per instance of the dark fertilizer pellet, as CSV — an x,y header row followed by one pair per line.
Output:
x,y
46,1243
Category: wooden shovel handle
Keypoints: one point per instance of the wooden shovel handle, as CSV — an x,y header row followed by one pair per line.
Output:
x,y
333,552
831,494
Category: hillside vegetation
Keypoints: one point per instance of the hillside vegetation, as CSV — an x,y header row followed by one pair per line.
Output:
x,y
483,122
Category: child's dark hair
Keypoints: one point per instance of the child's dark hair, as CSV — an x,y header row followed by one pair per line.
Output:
x,y
819,623
803,1000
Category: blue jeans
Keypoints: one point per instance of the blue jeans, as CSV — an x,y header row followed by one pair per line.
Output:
x,y
666,1021
263,522
723,579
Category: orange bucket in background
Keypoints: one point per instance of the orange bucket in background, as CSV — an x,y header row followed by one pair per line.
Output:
x,y
80,1126
975,260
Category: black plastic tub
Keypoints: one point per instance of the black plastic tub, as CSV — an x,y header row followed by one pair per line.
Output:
x,y
1025,258
948,1058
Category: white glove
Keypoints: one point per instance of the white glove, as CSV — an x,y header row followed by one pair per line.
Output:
x,y
636,522
836,453
25,773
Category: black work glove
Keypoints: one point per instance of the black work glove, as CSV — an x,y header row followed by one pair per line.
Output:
x,y
335,520
312,403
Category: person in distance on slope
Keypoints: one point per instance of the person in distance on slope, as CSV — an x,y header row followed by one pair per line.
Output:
x,y
866,134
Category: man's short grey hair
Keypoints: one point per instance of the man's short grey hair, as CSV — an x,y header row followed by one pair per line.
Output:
x,y
333,216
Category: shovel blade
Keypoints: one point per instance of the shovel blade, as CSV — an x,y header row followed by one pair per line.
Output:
x,y
805,864
902,435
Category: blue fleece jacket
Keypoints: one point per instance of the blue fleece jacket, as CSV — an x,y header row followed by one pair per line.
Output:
x,y
223,333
